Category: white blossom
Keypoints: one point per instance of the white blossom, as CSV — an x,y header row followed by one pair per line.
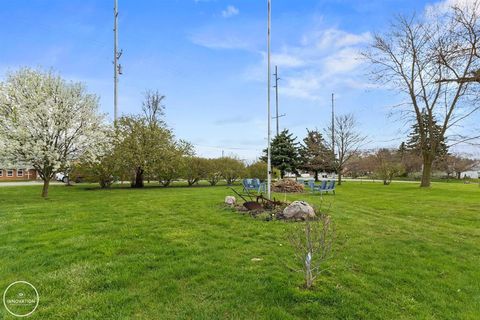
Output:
x,y
47,122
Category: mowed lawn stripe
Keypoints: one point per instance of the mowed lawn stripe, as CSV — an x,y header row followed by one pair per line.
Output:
x,y
176,253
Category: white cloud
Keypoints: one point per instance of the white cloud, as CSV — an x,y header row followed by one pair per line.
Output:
x,y
443,6
230,11
219,41
333,38
330,56
304,86
286,60
226,35
322,58
318,59
342,61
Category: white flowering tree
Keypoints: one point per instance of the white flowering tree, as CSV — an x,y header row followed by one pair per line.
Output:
x,y
47,122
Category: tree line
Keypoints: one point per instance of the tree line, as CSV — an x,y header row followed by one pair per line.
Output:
x,y
142,147
386,164
316,154
52,126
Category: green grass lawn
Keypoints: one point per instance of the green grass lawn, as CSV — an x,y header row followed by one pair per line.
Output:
x,y
176,253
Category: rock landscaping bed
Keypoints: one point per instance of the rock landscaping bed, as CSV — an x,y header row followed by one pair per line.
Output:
x,y
295,211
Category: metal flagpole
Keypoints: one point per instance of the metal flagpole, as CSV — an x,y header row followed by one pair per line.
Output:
x,y
115,61
269,162
333,126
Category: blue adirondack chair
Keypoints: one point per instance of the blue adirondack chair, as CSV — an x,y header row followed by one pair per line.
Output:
x,y
314,187
325,186
247,184
331,187
257,185
305,182
253,185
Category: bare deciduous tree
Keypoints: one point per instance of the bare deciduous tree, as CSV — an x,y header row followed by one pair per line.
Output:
x,y
417,57
152,107
347,140
312,243
387,165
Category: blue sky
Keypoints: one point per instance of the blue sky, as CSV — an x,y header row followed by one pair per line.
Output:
x,y
208,58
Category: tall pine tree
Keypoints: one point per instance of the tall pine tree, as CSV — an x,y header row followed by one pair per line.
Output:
x,y
414,142
314,154
284,153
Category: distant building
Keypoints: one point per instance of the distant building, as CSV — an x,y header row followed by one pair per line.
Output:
x,y
17,173
321,175
472,174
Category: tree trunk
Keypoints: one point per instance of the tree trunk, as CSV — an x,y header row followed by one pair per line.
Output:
x,y
316,176
339,177
426,171
46,184
165,183
68,182
138,183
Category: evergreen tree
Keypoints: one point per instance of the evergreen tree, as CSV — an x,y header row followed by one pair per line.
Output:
x,y
414,142
284,153
314,154
402,150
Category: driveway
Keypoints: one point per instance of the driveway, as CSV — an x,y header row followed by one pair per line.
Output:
x,y
26,183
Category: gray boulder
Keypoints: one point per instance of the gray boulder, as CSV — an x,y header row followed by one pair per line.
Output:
x,y
298,210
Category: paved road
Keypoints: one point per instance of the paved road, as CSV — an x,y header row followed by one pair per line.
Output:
x,y
375,180
39,183
26,183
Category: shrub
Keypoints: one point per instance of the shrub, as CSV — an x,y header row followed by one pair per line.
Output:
x,y
170,167
213,171
257,170
231,169
387,165
169,171
194,169
312,244
102,171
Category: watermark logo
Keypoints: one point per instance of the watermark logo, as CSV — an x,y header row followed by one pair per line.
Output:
x,y
21,298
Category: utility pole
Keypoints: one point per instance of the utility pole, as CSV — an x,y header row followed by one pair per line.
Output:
x,y
117,68
269,160
277,116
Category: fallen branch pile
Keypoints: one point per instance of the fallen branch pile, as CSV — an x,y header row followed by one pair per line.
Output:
x,y
287,185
